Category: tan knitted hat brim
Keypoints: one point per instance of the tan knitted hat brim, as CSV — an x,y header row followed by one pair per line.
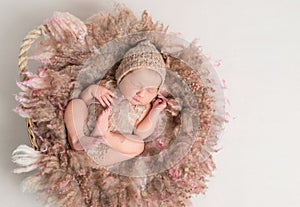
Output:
x,y
144,55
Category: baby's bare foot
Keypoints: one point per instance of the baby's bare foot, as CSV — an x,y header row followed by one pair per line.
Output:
x,y
102,123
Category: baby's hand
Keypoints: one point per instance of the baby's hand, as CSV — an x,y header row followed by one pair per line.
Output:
x,y
160,103
101,127
103,95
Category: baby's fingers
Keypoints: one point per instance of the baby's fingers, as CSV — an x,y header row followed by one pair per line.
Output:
x,y
102,102
104,98
161,100
109,98
162,103
162,97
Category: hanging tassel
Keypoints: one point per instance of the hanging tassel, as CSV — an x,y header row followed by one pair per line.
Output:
x,y
26,157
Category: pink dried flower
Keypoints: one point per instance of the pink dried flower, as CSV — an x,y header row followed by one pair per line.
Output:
x,y
224,86
21,112
159,143
22,86
42,58
217,63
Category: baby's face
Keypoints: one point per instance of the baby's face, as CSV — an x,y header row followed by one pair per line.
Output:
x,y
140,86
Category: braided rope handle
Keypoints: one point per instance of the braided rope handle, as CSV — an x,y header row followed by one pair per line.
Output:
x,y
23,67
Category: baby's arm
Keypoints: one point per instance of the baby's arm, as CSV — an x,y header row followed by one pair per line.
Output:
x,y
87,94
101,93
133,143
147,125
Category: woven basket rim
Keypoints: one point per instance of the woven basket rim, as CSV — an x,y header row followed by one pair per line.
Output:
x,y
27,42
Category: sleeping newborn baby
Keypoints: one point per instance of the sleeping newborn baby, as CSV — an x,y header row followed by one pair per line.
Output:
x,y
131,106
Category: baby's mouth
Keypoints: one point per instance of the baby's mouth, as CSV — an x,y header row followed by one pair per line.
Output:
x,y
134,98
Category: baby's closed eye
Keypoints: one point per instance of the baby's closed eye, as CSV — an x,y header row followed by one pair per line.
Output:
x,y
152,90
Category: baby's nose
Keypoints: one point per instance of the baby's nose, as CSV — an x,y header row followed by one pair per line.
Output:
x,y
141,93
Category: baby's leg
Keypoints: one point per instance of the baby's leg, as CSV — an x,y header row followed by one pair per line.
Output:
x,y
111,156
128,144
75,117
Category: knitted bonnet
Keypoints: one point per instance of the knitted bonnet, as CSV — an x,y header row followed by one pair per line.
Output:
x,y
143,55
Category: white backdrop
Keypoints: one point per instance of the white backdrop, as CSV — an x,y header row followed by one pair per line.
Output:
x,y
258,43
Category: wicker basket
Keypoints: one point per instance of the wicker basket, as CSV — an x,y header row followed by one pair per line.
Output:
x,y
72,167
23,67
